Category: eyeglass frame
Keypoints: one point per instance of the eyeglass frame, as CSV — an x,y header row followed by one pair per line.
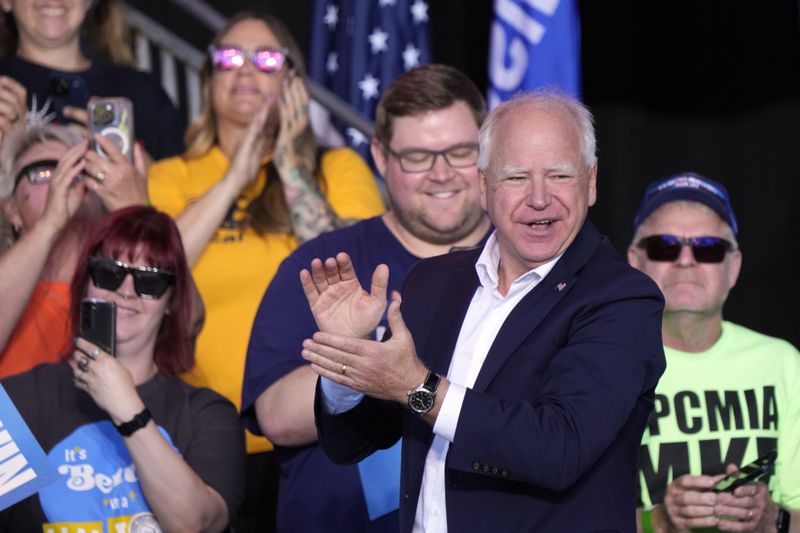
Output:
x,y
24,172
691,242
435,153
248,54
132,270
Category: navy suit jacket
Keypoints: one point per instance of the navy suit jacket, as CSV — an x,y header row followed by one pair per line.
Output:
x,y
548,437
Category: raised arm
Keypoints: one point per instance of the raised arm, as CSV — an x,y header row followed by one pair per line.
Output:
x,y
201,218
23,263
295,155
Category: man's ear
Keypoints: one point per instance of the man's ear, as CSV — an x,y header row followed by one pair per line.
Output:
x,y
378,156
734,268
593,185
634,259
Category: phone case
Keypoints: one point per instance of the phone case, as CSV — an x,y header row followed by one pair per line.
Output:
x,y
112,118
99,323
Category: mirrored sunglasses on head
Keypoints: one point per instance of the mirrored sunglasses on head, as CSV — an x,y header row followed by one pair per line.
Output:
x,y
148,282
667,248
269,60
37,172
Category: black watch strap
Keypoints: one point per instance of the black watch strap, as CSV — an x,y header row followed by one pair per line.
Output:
x,y
783,522
126,429
432,381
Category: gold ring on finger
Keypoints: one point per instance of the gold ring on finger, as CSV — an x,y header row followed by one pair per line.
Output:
x,y
99,176
344,370
83,364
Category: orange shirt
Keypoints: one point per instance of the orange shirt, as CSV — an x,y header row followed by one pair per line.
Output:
x,y
42,331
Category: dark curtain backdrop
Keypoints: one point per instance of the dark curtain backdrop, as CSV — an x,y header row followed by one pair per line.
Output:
x,y
709,86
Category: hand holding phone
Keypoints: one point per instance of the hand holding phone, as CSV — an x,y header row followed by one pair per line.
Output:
x,y
99,323
755,471
113,119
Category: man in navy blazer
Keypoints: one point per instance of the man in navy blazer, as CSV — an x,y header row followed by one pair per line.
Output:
x,y
520,375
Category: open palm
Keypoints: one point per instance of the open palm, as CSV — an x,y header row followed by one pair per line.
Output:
x,y
338,302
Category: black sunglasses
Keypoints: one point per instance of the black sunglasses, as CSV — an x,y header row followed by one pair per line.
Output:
x,y
668,248
148,282
37,172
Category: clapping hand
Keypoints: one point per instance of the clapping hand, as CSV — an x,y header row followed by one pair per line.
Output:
x,y
294,146
338,302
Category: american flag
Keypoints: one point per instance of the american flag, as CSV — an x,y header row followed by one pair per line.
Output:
x,y
359,46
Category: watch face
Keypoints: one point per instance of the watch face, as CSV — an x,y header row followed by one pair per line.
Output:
x,y
421,401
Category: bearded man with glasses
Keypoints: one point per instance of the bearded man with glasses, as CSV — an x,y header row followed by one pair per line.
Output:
x,y
729,395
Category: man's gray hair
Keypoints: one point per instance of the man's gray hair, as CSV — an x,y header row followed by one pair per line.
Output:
x,y
543,99
20,141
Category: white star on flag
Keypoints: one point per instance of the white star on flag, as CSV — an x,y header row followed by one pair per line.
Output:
x,y
410,56
419,11
331,16
332,64
377,40
356,137
369,86
384,3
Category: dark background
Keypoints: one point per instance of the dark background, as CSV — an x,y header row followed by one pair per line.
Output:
x,y
708,86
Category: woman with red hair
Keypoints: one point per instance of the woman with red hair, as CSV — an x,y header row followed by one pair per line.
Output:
x,y
132,443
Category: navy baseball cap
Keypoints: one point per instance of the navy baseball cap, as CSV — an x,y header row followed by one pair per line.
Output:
x,y
686,186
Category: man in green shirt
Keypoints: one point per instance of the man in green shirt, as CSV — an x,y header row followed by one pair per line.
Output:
x,y
729,394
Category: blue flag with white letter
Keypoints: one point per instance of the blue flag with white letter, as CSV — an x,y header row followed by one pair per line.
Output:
x,y
24,468
534,43
359,46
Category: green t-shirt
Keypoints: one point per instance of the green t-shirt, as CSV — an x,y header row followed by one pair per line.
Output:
x,y
730,404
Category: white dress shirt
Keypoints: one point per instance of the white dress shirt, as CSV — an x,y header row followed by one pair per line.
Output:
x,y
485,316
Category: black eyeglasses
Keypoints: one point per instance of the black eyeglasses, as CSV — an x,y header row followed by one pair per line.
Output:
x,y
269,60
422,160
668,248
37,172
148,282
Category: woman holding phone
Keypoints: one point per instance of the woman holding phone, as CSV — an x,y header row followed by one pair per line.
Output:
x,y
132,443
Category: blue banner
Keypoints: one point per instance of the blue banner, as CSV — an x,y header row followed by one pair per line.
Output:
x,y
534,43
24,467
359,46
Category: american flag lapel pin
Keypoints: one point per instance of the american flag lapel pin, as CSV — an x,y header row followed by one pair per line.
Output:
x,y
560,287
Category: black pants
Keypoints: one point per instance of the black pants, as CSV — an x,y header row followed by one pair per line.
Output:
x,y
260,504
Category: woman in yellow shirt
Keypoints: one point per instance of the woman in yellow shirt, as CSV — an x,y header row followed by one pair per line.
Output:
x,y
249,188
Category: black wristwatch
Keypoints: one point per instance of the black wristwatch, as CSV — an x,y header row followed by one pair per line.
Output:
x,y
126,429
421,399
784,518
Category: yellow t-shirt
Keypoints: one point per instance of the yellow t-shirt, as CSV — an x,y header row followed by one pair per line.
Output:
x,y
237,265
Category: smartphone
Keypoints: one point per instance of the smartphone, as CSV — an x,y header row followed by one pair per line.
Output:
x,y
756,470
99,323
113,119
67,90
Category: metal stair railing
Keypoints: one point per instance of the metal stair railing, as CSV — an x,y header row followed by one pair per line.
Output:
x,y
175,55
